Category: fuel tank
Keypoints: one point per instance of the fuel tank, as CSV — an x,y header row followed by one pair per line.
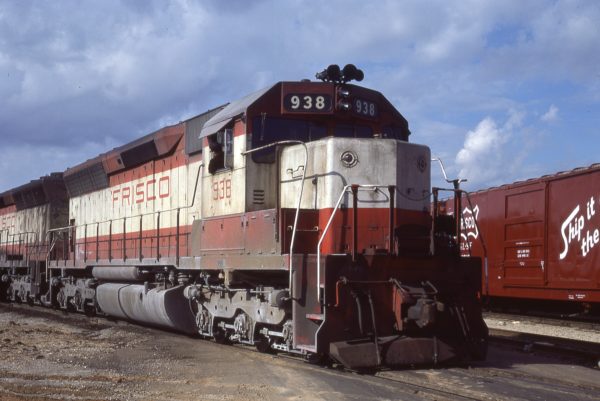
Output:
x,y
156,307
118,273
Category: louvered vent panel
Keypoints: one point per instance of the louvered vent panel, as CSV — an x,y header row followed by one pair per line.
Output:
x,y
258,197
89,179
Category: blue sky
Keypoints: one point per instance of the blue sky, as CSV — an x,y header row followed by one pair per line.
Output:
x,y
500,90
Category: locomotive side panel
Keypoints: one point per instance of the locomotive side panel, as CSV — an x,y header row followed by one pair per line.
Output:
x,y
144,208
223,189
24,232
26,217
8,217
137,203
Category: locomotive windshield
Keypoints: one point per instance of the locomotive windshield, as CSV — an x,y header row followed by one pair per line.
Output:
x,y
267,130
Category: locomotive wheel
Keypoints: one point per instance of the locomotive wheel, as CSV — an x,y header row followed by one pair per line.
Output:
x,y
23,296
479,349
220,336
77,301
61,301
89,310
263,344
203,320
70,305
316,359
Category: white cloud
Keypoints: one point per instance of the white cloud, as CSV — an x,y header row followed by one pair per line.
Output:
x,y
483,160
119,69
551,115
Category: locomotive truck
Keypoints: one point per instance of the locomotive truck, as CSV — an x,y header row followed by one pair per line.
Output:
x,y
294,219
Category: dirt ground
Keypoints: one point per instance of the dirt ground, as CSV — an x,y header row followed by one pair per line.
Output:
x,y
48,355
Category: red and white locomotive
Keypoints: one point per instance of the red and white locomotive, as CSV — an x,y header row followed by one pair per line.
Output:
x,y
295,219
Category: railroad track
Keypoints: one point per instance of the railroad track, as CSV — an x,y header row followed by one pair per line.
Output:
x,y
590,323
574,338
489,380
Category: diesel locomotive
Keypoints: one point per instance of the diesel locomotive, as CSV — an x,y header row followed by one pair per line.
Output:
x,y
294,219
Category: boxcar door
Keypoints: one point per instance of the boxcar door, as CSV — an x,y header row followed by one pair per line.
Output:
x,y
524,230
574,234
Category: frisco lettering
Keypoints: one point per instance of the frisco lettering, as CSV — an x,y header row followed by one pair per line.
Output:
x,y
142,191
573,226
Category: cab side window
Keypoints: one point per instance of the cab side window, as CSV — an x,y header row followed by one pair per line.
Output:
x,y
221,151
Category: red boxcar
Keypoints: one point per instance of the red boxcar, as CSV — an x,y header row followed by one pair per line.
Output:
x,y
541,236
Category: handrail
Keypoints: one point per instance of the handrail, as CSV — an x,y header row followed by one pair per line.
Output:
x,y
1,234
294,229
326,229
141,216
27,234
17,234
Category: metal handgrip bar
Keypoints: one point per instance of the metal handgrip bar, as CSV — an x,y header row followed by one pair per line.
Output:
x,y
326,229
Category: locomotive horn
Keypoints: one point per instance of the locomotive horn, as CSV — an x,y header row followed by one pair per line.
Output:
x,y
331,73
334,74
350,72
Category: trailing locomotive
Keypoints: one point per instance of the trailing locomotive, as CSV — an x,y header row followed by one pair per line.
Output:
x,y
540,236
294,219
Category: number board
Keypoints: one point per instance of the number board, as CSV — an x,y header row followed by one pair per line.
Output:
x,y
307,103
364,108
